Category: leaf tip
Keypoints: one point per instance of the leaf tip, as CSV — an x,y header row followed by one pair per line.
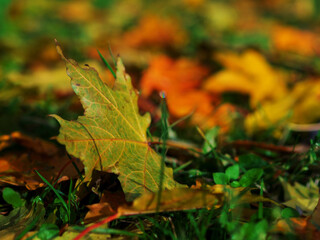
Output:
x,y
55,116
59,49
120,67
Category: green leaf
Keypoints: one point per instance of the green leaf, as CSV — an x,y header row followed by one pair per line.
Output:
x,y
235,184
223,219
250,160
233,172
48,231
111,136
250,177
289,213
12,197
220,178
210,141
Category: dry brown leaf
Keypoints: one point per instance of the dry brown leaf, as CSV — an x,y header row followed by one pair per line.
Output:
x,y
29,154
171,200
303,227
108,205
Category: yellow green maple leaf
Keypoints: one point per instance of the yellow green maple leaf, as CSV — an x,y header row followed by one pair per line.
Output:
x,y
303,197
111,136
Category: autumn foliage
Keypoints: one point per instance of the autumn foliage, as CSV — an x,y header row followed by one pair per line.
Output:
x,y
189,119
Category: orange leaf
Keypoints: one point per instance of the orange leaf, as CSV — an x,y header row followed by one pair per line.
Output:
x,y
247,73
289,39
168,75
180,80
155,31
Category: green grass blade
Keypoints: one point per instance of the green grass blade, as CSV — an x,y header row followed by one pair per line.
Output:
x,y
28,228
182,166
54,190
69,199
260,210
107,64
112,55
109,231
164,137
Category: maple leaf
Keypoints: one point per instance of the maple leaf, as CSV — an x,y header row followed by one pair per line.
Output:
x,y
111,136
302,197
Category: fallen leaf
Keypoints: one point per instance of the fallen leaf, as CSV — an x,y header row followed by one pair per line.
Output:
x,y
307,200
108,205
19,219
29,154
288,39
169,75
73,233
180,80
302,227
111,136
299,196
43,79
177,199
47,80
196,197
247,73
168,33
76,11
300,106
307,95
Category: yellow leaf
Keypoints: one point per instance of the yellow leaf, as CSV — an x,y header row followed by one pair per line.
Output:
x,y
174,200
297,195
300,106
247,73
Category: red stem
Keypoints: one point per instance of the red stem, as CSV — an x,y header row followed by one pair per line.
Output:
x,y
96,225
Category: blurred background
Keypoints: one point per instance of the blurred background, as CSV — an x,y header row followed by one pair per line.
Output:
x,y
248,67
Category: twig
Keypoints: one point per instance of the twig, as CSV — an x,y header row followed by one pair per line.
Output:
x,y
176,144
304,127
285,149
